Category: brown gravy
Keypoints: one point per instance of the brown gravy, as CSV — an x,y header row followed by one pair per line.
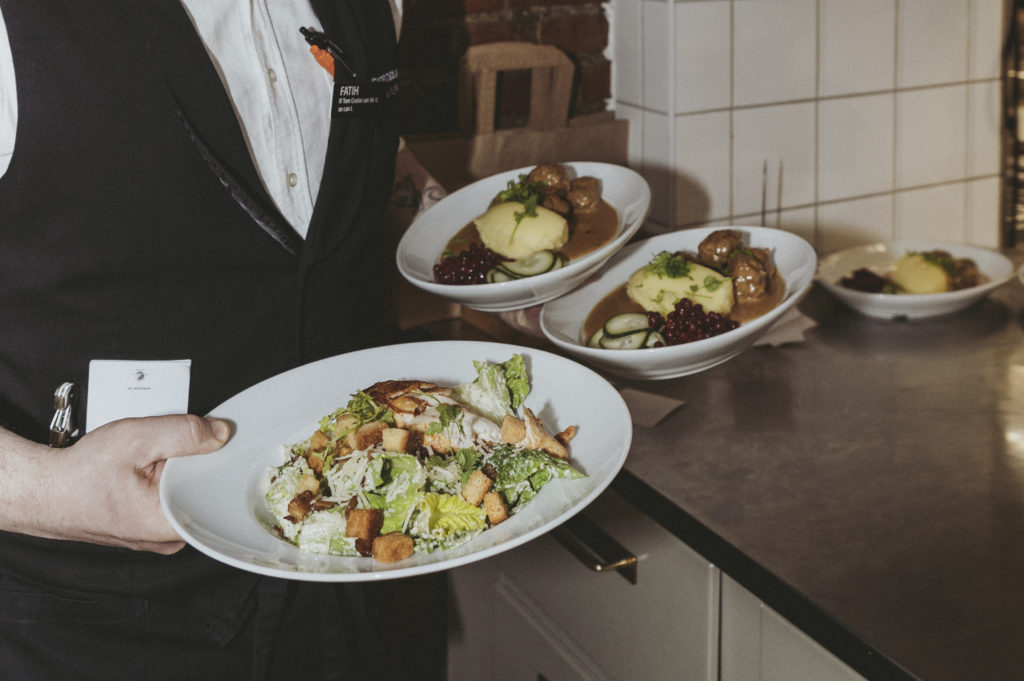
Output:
x,y
618,302
587,232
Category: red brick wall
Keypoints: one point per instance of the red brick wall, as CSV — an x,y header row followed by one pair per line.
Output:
x,y
436,33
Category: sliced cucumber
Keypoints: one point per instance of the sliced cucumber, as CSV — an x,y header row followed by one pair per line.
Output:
x,y
534,264
628,341
496,275
625,324
627,331
653,339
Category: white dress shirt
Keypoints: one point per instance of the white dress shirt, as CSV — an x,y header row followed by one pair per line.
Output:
x,y
280,93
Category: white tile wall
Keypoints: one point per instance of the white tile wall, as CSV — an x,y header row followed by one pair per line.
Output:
x,y
777,135
983,127
986,17
860,32
657,41
931,213
931,43
875,119
773,48
659,164
982,209
800,221
702,162
703,48
931,137
855,146
627,40
848,223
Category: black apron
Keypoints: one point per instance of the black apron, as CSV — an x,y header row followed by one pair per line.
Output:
x,y
133,226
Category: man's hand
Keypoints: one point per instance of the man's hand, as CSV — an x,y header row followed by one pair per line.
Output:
x,y
104,488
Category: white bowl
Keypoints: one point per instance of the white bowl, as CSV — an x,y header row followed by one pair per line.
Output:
x,y
881,257
216,501
425,240
562,320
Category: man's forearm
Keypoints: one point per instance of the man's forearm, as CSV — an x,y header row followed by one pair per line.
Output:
x,y
24,471
104,489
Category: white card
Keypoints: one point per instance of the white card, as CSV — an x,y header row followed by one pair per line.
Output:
x,y
128,388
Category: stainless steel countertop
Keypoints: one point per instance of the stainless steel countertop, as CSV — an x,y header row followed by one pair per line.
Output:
x,y
867,483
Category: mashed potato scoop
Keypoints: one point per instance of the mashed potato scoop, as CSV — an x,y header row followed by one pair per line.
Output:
x,y
668,278
508,229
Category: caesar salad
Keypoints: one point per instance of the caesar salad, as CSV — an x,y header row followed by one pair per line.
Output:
x,y
411,466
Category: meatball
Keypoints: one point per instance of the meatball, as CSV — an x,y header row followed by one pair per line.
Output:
x,y
583,200
751,276
714,250
963,272
588,183
965,275
584,194
553,178
557,204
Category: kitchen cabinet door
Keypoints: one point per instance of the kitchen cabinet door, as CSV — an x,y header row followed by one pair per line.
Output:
x,y
541,602
527,649
760,645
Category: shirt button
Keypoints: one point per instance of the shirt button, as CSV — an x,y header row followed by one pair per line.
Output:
x,y
293,179
272,75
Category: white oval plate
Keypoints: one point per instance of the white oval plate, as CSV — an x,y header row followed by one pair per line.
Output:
x,y
562,320
881,257
425,240
215,501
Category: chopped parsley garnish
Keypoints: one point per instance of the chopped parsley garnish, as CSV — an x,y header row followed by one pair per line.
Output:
x,y
712,283
671,265
942,260
363,408
524,192
448,415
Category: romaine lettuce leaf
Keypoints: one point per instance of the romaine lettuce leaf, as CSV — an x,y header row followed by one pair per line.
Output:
x,y
445,515
281,491
522,472
404,482
324,532
398,509
498,390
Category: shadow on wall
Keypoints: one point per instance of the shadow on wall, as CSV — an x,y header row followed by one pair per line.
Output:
x,y
692,203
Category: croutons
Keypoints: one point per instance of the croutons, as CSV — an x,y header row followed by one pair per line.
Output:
x,y
319,441
366,435
495,507
398,440
308,482
392,547
344,423
300,506
363,523
476,487
315,461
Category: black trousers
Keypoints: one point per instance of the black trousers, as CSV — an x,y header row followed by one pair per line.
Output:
x,y
289,630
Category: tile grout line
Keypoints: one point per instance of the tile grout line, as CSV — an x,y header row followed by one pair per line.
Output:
x,y
894,210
